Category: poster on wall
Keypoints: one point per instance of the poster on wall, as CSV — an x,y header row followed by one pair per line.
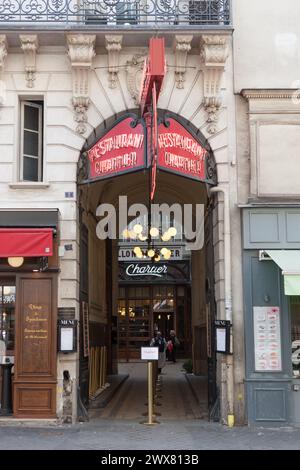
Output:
x,y
267,339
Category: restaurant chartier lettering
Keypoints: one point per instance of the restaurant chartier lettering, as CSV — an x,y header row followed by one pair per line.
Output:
x,y
36,322
122,150
179,152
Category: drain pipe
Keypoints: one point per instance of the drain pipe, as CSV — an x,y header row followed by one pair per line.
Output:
x,y
228,299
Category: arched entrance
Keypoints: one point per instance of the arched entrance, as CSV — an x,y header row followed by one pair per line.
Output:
x,y
125,300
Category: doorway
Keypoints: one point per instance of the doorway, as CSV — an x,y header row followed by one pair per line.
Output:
x,y
129,295
142,310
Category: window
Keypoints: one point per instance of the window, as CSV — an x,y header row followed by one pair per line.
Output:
x,y
126,12
7,318
295,331
121,12
204,11
31,168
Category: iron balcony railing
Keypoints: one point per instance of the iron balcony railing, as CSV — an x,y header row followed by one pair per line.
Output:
x,y
116,12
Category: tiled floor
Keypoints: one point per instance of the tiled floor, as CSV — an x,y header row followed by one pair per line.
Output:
x,y
176,399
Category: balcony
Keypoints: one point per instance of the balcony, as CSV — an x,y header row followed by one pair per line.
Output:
x,y
103,14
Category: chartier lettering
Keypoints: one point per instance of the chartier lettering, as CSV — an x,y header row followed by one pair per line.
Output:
x,y
146,270
116,163
184,163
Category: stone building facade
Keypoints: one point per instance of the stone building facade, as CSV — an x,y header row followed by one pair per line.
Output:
x,y
233,79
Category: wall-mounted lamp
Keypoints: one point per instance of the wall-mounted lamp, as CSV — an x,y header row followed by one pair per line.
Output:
x,y
15,262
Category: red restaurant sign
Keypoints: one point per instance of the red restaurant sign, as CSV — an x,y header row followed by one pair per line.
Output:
x,y
121,150
179,152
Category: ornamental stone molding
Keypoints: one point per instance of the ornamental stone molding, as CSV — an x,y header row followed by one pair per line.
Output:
x,y
81,50
113,45
3,54
213,53
3,50
29,45
272,94
182,45
134,70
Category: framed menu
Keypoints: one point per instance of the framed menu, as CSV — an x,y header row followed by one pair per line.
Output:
x,y
267,339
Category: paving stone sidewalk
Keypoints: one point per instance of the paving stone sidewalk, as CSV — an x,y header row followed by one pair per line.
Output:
x,y
120,435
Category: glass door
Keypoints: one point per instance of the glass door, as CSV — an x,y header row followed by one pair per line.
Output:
x,y
134,321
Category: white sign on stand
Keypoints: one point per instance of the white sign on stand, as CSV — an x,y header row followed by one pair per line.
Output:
x,y
149,354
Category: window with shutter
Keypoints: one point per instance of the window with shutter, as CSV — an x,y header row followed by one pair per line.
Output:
x,y
31,167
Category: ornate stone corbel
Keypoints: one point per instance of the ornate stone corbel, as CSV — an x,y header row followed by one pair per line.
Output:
x,y
134,69
3,50
213,53
81,50
182,45
29,45
113,45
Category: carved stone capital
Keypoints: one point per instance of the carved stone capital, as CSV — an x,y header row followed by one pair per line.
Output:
x,y
213,53
182,45
81,50
113,45
134,70
3,50
29,45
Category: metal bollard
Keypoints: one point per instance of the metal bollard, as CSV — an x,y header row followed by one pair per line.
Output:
x,y
151,421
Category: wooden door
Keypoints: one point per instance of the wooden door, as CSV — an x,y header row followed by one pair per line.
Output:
x,y
36,331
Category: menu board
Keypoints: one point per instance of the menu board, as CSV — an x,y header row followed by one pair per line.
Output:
x,y
267,339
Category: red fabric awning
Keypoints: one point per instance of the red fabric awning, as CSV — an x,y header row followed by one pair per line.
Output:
x,y
26,242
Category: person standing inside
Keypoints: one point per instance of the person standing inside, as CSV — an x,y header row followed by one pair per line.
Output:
x,y
160,342
172,344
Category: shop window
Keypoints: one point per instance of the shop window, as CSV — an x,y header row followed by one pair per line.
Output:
x,y
7,318
31,164
295,332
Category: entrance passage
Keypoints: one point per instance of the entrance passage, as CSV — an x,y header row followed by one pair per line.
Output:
x,y
176,399
144,309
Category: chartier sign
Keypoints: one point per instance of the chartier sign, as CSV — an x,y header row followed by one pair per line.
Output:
x,y
123,149
179,152
120,151
172,271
